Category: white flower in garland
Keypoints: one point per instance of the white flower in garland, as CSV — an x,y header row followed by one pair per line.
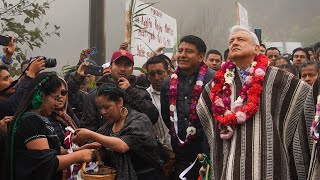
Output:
x,y
318,99
191,130
254,63
199,83
227,112
238,102
229,76
171,119
172,107
174,76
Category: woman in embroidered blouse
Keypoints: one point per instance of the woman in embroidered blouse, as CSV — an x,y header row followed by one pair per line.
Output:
x,y
128,136
34,146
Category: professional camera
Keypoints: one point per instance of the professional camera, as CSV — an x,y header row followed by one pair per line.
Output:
x,y
50,62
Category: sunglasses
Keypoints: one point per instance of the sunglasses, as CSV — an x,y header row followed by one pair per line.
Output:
x,y
64,93
57,98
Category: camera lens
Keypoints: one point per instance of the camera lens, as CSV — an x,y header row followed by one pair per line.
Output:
x,y
50,62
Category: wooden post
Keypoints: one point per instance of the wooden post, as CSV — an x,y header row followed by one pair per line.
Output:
x,y
128,23
97,36
237,13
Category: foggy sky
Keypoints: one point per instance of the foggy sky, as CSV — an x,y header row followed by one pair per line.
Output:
x,y
275,17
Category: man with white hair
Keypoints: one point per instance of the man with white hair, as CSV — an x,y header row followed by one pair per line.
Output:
x,y
252,116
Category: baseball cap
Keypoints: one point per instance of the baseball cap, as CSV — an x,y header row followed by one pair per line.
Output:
x,y
121,53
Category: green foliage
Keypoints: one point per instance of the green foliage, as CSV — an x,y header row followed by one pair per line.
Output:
x,y
23,19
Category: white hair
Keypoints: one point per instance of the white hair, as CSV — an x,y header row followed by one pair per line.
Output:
x,y
238,28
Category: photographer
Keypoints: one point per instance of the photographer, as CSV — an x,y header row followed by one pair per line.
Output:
x,y
10,97
6,58
121,74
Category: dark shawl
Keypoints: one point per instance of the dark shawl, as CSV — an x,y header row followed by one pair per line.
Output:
x,y
137,133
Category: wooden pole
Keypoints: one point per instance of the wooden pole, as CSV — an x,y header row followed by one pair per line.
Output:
x,y
97,36
128,23
237,12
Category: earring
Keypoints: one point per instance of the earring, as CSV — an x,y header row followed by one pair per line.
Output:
x,y
123,109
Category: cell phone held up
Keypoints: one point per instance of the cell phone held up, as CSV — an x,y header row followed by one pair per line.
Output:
x,y
4,40
93,70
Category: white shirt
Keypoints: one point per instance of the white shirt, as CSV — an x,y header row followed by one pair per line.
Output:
x,y
161,130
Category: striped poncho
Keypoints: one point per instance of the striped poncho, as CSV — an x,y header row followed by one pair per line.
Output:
x,y
273,144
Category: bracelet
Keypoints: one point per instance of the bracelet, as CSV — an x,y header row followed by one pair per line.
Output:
x,y
3,58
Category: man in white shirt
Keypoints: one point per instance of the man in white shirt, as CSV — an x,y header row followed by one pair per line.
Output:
x,y
157,68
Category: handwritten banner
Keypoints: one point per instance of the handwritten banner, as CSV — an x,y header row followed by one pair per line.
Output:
x,y
150,29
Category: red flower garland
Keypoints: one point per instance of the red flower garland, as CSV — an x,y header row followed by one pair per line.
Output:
x,y
193,116
250,93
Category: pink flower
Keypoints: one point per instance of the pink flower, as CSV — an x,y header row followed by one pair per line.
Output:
x,y
241,117
259,72
248,80
226,135
251,70
219,102
226,100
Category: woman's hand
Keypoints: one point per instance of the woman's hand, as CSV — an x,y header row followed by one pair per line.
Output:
x,y
81,135
93,145
5,121
86,155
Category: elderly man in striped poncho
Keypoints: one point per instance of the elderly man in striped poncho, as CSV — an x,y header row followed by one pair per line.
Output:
x,y
252,116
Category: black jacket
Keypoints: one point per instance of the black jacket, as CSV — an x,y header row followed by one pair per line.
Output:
x,y
137,95
185,88
9,106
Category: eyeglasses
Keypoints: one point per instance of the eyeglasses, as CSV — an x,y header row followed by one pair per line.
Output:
x,y
55,98
154,73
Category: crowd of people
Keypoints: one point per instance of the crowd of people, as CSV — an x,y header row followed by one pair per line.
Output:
x,y
251,113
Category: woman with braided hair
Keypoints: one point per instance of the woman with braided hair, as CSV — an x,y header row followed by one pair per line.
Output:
x,y
127,136
34,145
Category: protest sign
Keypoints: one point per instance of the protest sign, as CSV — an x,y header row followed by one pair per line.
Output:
x,y
148,28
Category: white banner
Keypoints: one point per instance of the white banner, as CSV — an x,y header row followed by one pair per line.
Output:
x,y
243,16
151,28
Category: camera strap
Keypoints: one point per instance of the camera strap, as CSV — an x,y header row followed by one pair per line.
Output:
x,y
15,81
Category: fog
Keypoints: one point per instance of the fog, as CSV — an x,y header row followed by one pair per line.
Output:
x,y
285,20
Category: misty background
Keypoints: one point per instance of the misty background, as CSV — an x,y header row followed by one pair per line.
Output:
x,y
280,20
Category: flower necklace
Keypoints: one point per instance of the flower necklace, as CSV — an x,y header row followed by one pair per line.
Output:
x,y
220,94
193,116
314,127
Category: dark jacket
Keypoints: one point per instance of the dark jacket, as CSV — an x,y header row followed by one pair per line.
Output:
x,y
138,96
185,88
9,106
